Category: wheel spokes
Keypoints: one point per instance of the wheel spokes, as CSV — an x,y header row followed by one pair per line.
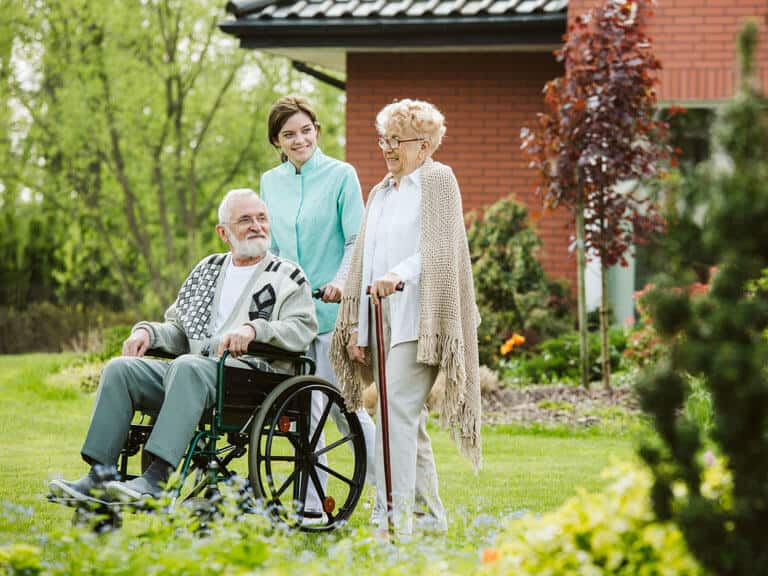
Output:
x,y
320,425
288,481
338,475
336,444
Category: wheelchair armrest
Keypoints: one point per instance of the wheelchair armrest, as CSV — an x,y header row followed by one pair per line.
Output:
x,y
160,353
272,352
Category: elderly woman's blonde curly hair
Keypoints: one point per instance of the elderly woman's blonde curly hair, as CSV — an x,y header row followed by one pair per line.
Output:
x,y
418,116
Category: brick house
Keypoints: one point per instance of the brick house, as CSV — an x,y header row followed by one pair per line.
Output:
x,y
484,63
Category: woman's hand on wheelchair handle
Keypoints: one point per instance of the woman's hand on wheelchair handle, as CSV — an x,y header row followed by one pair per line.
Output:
x,y
331,292
137,343
237,341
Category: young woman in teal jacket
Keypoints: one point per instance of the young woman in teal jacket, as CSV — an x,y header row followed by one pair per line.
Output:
x,y
316,208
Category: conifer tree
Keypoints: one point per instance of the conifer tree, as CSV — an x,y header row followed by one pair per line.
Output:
x,y
719,337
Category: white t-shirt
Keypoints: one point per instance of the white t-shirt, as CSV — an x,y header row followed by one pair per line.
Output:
x,y
235,279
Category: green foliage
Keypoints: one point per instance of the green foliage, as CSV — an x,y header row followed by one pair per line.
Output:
x,y
698,405
120,131
44,326
718,337
112,342
612,532
513,292
557,360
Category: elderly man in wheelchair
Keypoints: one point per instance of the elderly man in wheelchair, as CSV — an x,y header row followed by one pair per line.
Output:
x,y
237,332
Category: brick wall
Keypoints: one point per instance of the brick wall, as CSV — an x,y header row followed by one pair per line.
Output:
x,y
486,98
696,43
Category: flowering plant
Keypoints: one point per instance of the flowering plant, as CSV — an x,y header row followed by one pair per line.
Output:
x,y
510,344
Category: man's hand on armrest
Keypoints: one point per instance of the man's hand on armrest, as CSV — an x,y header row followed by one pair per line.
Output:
x,y
137,343
237,341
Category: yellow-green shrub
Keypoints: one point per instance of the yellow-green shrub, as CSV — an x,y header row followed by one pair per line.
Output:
x,y
610,532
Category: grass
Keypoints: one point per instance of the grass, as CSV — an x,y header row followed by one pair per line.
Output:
x,y
43,421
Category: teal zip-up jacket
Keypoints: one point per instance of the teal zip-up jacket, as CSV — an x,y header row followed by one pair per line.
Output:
x,y
313,214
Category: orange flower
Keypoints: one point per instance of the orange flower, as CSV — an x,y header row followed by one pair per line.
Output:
x,y
515,340
490,555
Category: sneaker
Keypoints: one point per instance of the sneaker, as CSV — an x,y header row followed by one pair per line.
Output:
x,y
79,489
133,490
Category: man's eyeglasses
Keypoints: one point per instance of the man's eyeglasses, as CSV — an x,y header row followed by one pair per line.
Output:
x,y
245,221
393,142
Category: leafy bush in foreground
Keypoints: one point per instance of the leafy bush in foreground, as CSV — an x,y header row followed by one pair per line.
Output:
x,y
608,533
718,338
613,532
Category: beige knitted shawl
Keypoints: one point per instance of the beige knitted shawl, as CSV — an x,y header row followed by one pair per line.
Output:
x,y
448,316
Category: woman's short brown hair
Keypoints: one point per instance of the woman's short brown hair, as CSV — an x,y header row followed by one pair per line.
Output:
x,y
283,109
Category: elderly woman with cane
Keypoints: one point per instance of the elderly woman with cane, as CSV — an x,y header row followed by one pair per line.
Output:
x,y
412,235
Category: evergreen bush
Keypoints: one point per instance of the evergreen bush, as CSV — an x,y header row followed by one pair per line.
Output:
x,y
718,216
513,292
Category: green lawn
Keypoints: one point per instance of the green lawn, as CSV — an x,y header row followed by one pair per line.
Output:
x,y
43,422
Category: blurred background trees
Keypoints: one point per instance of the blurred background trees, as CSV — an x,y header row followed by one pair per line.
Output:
x,y
121,127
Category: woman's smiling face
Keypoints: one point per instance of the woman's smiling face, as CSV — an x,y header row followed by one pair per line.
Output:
x,y
409,154
298,138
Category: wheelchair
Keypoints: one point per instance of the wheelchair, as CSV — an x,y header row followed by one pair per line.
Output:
x,y
265,415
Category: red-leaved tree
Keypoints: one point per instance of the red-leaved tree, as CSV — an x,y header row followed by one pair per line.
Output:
x,y
601,130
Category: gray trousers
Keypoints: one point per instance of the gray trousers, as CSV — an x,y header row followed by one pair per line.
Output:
x,y
178,392
414,476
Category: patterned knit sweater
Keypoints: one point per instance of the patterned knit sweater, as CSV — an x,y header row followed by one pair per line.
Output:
x,y
276,301
448,315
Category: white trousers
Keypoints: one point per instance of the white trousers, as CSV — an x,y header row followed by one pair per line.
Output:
x,y
413,473
319,353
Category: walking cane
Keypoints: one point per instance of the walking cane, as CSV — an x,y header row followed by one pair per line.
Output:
x,y
384,406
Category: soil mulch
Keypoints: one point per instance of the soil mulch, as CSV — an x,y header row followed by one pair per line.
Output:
x,y
557,405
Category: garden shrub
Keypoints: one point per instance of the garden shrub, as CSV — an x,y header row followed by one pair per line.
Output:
x,y
718,337
610,532
557,360
49,327
513,292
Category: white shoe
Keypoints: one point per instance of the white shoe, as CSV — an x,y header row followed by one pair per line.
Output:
x,y
378,514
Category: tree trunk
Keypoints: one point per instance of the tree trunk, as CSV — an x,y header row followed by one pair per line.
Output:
x,y
582,298
605,360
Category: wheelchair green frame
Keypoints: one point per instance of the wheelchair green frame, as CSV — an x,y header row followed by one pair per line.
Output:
x,y
270,398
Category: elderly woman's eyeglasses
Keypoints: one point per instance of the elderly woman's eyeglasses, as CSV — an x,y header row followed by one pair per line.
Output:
x,y
393,142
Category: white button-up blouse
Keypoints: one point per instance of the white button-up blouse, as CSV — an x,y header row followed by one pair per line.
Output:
x,y
392,244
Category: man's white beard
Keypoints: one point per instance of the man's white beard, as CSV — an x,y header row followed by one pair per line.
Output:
x,y
252,248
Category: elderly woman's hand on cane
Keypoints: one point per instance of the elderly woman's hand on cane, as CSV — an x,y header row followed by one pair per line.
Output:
x,y
385,286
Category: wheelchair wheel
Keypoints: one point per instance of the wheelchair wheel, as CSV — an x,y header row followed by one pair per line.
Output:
x,y
310,476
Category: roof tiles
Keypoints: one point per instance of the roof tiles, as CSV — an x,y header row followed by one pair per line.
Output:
x,y
320,9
